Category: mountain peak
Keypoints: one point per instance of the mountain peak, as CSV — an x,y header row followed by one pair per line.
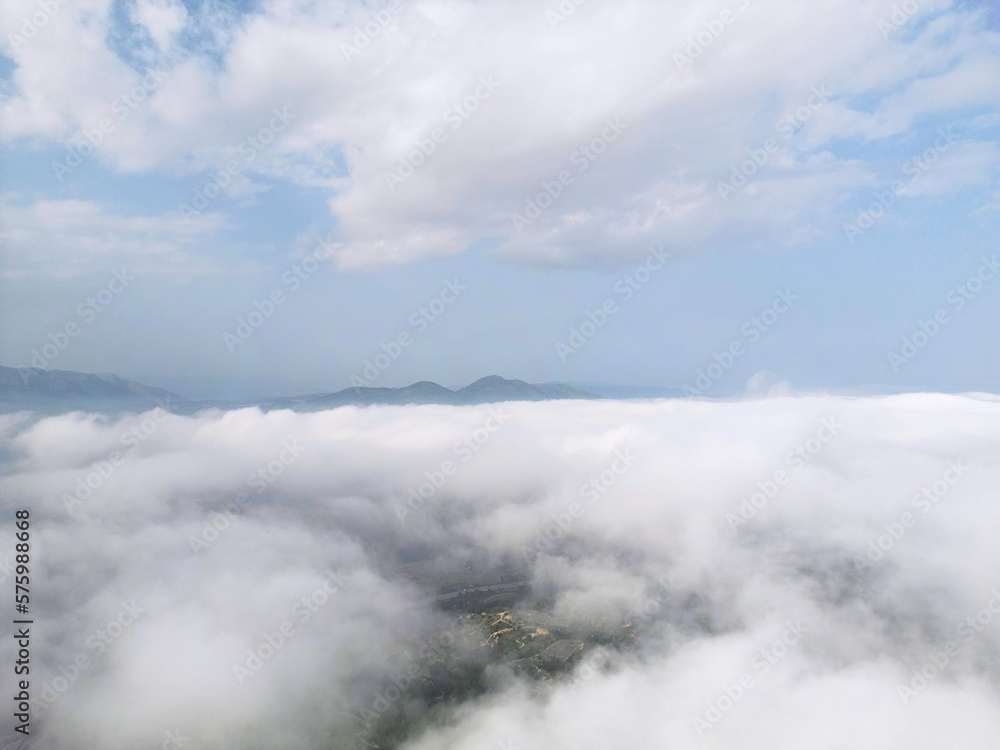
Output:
x,y
492,381
496,388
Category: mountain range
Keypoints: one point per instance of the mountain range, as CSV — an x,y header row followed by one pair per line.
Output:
x,y
53,391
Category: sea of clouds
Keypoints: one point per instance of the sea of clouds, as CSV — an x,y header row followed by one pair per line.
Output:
x,y
808,571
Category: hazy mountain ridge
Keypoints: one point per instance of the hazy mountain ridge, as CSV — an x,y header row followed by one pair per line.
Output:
x,y
61,390
489,389
64,390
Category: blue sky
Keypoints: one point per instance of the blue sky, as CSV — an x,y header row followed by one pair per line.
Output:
x,y
839,104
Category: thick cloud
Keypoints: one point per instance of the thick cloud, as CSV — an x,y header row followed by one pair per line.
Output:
x,y
518,93
788,564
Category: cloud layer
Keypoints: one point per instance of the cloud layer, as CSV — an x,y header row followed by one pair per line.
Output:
x,y
790,564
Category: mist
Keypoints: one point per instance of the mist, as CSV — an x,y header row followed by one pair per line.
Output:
x,y
802,570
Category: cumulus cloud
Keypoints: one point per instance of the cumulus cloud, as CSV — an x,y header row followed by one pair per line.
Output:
x,y
419,158
789,567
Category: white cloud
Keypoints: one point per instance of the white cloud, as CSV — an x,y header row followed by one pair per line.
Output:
x,y
845,471
688,124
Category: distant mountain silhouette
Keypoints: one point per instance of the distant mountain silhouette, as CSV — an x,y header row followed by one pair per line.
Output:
x,y
53,391
63,390
495,388
490,389
424,392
